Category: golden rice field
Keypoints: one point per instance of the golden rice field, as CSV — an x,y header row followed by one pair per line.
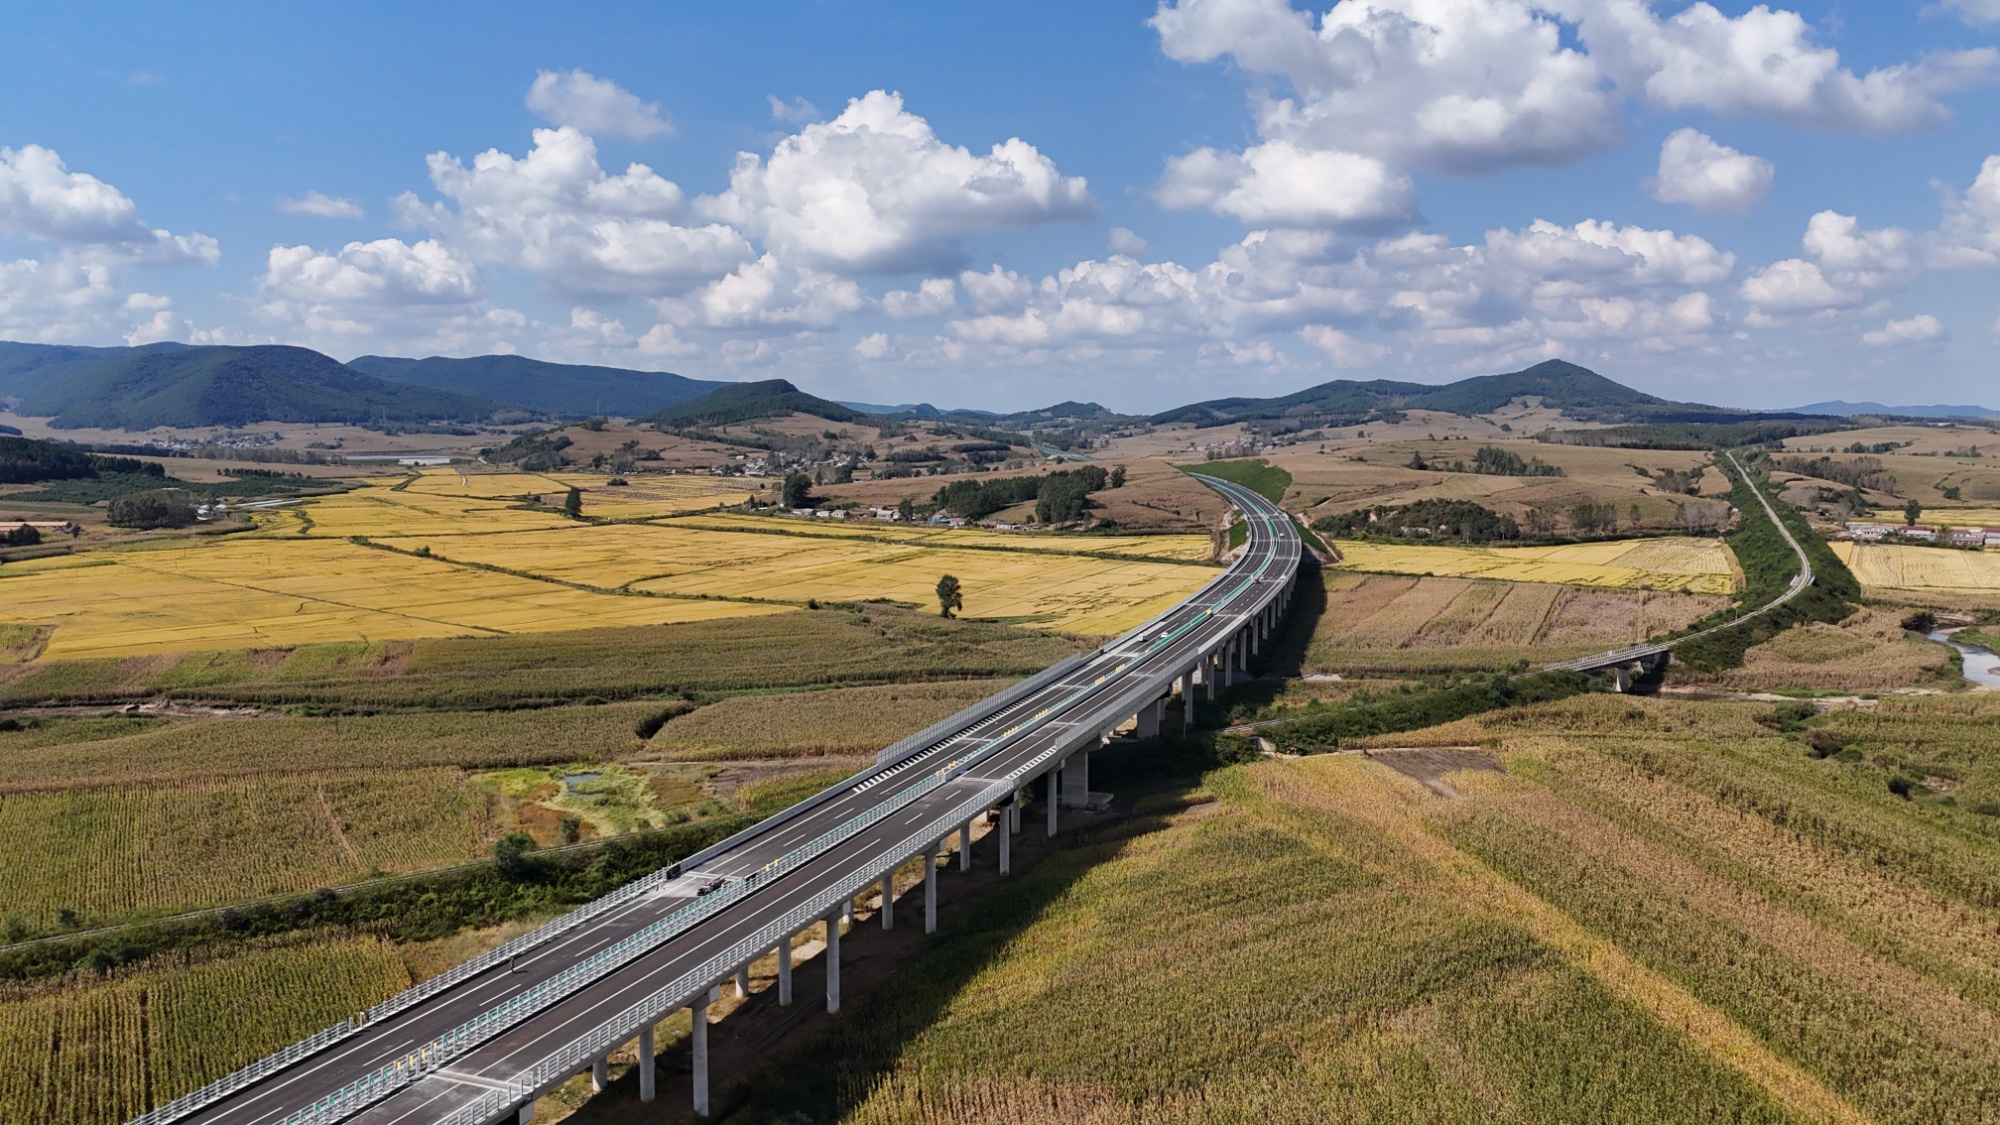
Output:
x,y
815,724
266,592
1191,548
1078,593
1700,566
1922,570
299,580
1948,517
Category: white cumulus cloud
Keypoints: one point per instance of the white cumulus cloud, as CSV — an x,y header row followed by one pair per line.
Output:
x,y
320,205
932,296
1919,329
1709,177
584,101
558,215
1281,184
387,271
875,191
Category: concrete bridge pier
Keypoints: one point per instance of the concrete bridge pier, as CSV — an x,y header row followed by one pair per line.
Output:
x,y
743,983
965,847
1054,795
1006,842
1187,697
785,972
832,964
888,910
930,886
1208,663
698,1014
1076,781
647,1079
600,1074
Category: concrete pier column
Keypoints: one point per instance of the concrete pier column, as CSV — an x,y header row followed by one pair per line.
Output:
x,y
527,1114
930,886
1014,812
847,913
743,983
832,964
1187,698
1256,634
1055,797
1146,724
600,1075
698,1013
965,847
1208,675
1076,780
1006,846
646,1077
889,899
785,972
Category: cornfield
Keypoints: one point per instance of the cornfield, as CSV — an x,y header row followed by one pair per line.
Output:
x,y
109,853
97,1052
1390,623
816,724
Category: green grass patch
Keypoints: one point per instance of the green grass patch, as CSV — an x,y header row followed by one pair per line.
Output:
x,y
1257,475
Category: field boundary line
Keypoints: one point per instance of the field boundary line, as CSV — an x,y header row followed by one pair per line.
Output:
x,y
1390,807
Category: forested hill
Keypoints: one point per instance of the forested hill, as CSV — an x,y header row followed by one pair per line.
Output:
x,y
550,388
1578,392
175,385
744,402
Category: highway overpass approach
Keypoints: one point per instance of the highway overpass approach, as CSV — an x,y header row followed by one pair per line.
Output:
x,y
478,1044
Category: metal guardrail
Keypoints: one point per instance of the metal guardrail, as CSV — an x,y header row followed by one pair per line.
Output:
x,y
451,1044
270,1064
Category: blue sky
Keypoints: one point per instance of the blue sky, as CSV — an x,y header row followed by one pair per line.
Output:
x,y
1006,205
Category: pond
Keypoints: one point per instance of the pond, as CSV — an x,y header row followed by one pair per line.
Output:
x,y
572,780
1982,666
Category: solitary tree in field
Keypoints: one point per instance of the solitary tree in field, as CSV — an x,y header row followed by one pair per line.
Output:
x,y
573,504
1118,476
950,598
1911,511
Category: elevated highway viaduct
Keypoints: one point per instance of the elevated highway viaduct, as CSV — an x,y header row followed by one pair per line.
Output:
x,y
480,1043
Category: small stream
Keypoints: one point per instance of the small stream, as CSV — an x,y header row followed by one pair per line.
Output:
x,y
1982,666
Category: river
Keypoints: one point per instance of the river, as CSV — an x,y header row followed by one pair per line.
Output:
x,y
1982,666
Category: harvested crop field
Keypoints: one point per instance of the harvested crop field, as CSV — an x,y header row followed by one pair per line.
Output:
x,y
1699,566
1388,623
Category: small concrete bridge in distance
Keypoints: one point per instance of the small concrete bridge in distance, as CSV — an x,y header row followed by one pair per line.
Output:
x,y
1630,665
1627,665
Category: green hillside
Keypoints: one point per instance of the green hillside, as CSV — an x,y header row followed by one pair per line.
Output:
x,y
745,402
567,389
139,388
1577,391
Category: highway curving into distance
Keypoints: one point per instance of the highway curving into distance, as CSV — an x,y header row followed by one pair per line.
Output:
x,y
478,1044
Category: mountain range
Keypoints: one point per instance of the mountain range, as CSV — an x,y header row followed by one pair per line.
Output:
x,y
179,385
1840,409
